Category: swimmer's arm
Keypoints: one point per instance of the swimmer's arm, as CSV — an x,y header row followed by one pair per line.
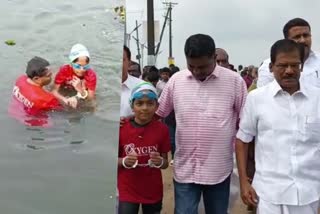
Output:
x,y
91,94
55,92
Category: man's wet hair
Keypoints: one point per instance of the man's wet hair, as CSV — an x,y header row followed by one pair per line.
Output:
x,y
286,46
296,22
128,52
36,67
199,45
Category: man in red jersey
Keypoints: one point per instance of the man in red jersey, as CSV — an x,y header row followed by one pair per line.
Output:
x,y
29,94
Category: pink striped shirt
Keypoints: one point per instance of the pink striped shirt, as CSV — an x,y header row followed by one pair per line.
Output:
x,y
206,116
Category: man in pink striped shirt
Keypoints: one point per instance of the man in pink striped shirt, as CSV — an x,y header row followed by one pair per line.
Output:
x,y
207,100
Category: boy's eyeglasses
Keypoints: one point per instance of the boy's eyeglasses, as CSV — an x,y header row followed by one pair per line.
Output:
x,y
78,67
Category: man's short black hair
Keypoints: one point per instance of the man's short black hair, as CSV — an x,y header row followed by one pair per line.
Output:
x,y
199,45
296,22
151,76
153,69
128,52
165,69
36,67
286,46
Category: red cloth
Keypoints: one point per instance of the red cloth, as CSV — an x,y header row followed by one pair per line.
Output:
x,y
66,74
142,184
248,79
31,100
34,98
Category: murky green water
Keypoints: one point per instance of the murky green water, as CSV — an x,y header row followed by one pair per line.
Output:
x,y
70,167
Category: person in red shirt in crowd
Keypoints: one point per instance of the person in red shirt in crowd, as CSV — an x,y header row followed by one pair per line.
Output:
x,y
143,147
77,79
29,96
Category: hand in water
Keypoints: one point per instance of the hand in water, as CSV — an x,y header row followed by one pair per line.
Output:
x,y
71,101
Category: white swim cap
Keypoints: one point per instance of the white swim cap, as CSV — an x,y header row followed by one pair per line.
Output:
x,y
77,51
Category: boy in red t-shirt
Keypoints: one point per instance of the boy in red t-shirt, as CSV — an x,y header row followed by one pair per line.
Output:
x,y
143,147
77,79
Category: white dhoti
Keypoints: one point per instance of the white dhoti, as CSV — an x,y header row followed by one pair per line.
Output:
x,y
265,207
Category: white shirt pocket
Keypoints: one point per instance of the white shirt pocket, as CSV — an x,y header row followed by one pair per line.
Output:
x,y
312,129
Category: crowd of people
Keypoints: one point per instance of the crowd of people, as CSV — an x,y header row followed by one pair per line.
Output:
x,y
268,115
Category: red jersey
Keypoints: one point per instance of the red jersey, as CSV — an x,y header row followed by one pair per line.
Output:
x,y
142,184
66,74
31,100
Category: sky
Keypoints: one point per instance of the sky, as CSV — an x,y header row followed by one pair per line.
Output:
x,y
245,29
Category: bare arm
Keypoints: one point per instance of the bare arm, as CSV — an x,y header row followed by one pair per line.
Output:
x,y
91,95
55,92
165,160
248,194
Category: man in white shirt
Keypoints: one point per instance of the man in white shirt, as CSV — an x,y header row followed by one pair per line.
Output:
x,y
298,30
128,83
284,118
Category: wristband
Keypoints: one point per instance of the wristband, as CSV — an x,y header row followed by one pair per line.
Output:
x,y
155,166
128,167
82,97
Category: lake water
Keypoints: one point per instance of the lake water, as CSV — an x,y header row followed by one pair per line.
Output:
x,y
71,166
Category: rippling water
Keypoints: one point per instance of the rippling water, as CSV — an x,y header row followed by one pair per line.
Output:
x,y
70,167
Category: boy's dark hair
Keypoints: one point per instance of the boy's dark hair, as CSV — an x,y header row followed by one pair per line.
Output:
x,y
199,45
153,69
36,67
128,52
296,22
243,73
286,46
151,76
174,70
165,69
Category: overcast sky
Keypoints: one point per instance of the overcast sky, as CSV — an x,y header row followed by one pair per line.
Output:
x,y
246,29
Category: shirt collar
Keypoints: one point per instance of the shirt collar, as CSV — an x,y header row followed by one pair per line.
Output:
x,y
214,74
129,82
276,88
312,56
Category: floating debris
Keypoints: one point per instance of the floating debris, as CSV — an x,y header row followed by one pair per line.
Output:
x,y
10,42
121,13
34,147
76,142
